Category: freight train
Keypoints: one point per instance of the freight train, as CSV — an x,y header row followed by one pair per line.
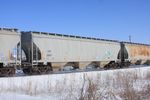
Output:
x,y
41,52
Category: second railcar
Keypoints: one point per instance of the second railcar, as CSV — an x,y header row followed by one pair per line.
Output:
x,y
138,53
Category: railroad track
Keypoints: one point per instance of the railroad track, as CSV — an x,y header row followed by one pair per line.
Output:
x,y
21,74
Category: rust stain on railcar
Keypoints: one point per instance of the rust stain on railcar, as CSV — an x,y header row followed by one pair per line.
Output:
x,y
139,50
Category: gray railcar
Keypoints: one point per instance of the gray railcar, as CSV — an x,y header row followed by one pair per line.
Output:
x,y
66,50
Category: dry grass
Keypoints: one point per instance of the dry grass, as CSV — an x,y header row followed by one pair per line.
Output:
x,y
91,90
147,77
95,89
145,93
122,84
126,82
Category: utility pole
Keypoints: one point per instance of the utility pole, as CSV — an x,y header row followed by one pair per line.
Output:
x,y
129,38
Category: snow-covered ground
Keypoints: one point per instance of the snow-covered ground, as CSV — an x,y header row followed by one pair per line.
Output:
x,y
73,86
17,96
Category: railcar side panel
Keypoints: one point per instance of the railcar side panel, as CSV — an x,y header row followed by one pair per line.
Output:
x,y
8,47
67,49
138,52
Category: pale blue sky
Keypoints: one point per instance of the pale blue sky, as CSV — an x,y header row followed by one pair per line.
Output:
x,y
108,19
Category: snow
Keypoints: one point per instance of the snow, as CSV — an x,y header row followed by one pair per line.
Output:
x,y
16,96
62,86
13,96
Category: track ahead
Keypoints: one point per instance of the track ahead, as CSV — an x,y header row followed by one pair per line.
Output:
x,y
19,73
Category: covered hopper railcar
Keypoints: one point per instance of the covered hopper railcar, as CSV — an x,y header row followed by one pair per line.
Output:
x,y
138,53
57,50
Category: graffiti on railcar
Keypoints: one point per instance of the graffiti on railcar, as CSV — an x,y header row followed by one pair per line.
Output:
x,y
107,55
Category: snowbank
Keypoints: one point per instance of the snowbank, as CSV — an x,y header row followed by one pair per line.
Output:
x,y
59,86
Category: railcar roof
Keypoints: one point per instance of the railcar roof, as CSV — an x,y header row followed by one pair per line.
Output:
x,y
10,29
71,36
82,37
135,43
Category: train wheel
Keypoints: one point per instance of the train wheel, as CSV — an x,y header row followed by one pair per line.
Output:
x,y
26,71
7,71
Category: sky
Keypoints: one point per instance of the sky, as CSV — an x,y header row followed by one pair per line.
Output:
x,y
106,19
